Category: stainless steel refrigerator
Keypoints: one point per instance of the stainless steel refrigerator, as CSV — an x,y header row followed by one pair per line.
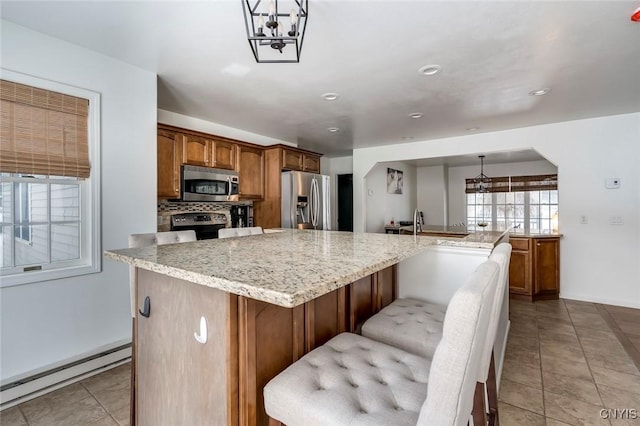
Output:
x,y
306,202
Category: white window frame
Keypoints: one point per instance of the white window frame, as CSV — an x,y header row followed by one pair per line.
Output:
x,y
90,236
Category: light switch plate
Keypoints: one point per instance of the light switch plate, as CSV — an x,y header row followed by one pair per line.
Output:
x,y
616,220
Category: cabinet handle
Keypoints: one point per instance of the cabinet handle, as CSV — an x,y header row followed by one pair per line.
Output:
x,y
147,308
202,337
538,244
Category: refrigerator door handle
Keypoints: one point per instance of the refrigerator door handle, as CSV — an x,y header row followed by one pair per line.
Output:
x,y
293,206
316,202
311,204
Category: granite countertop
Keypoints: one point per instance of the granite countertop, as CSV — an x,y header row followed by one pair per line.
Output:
x,y
439,229
287,268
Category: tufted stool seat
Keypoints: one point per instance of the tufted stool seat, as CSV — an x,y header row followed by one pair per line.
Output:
x,y
239,232
409,324
352,380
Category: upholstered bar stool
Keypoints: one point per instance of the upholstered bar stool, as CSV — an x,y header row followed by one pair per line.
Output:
x,y
239,232
144,240
353,380
416,326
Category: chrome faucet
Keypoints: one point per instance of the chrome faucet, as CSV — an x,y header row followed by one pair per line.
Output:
x,y
417,225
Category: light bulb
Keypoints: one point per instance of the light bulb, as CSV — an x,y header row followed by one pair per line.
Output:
x,y
260,21
272,8
280,29
294,17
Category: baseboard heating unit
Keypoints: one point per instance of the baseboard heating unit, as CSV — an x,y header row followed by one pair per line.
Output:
x,y
22,389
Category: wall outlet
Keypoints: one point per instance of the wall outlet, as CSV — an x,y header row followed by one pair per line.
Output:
x,y
616,220
584,219
612,183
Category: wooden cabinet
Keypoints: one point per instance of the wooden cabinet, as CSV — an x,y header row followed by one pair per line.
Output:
x,y
169,157
196,151
251,173
291,160
534,270
311,163
174,372
300,161
223,154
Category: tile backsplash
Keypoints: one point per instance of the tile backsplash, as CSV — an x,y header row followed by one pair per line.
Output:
x,y
168,208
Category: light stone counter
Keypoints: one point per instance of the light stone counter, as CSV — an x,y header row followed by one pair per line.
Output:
x,y
287,268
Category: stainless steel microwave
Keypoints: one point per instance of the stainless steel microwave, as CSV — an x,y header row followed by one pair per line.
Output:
x,y
208,184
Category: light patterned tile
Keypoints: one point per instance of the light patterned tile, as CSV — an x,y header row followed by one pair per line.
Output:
x,y
523,374
615,379
553,422
629,327
523,357
12,417
613,361
111,388
515,416
571,387
521,396
616,400
64,413
571,368
523,343
105,421
589,320
572,411
562,350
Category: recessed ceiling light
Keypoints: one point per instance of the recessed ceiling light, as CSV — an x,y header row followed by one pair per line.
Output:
x,y
430,69
416,115
540,92
333,129
473,129
329,96
407,138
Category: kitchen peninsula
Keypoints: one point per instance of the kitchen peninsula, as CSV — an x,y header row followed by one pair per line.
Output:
x,y
266,300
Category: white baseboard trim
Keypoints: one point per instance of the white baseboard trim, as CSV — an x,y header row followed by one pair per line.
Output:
x,y
32,387
500,363
603,300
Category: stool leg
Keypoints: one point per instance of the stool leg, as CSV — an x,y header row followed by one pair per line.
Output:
x,y
479,412
492,394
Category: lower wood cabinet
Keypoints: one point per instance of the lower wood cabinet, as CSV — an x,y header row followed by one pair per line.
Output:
x,y
179,380
534,271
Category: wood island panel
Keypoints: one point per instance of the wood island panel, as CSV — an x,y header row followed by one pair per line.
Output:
x,y
325,317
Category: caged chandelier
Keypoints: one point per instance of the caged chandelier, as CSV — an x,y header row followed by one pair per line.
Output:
x,y
267,34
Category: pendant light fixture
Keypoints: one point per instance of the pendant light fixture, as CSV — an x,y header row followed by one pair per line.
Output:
x,y
269,41
481,182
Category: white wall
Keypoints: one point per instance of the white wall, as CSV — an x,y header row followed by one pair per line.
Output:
x,y
458,175
381,207
334,167
49,322
187,122
598,261
431,189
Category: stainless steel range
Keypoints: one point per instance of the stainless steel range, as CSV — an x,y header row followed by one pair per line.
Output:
x,y
206,225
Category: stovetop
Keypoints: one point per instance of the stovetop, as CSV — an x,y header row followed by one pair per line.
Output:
x,y
191,219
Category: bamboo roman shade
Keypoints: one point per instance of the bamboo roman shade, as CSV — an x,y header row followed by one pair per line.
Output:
x,y
516,183
43,132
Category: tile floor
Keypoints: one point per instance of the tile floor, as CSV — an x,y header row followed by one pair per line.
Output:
x,y
565,361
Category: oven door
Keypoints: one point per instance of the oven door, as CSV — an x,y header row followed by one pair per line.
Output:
x,y
206,184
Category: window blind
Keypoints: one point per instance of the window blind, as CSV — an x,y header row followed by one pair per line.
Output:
x,y
43,132
516,183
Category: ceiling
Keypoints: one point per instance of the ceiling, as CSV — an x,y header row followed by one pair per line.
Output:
x,y
492,55
517,156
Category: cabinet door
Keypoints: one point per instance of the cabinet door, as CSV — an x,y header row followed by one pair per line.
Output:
x,y
362,302
197,151
324,317
520,273
224,154
169,159
546,266
251,172
291,160
386,287
270,339
311,163
175,381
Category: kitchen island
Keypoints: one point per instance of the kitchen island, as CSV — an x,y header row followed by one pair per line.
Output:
x,y
264,301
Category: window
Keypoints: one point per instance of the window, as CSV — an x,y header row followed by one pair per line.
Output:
x,y
49,180
527,202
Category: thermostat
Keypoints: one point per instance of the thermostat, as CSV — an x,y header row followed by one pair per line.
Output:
x,y
613,183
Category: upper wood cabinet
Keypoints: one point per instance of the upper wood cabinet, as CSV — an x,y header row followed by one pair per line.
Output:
x,y
291,159
251,172
311,163
224,154
196,151
300,161
169,159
